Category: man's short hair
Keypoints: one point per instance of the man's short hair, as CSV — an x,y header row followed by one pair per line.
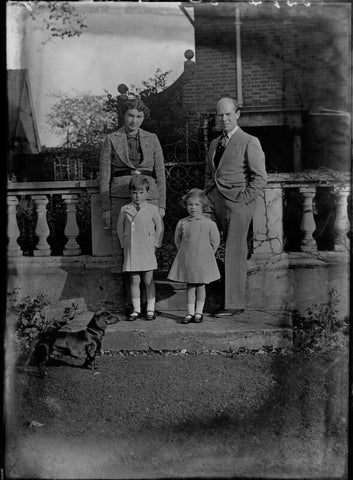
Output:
x,y
235,103
138,181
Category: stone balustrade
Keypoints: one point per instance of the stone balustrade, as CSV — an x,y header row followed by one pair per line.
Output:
x,y
268,236
39,192
269,217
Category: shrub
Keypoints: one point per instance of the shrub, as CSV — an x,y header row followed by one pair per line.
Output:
x,y
321,330
31,320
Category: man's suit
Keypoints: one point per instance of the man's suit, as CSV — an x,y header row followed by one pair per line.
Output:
x,y
232,189
114,176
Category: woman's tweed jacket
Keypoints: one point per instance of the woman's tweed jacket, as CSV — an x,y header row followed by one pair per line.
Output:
x,y
114,157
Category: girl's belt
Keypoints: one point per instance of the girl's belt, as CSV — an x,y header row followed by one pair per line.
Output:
x,y
124,173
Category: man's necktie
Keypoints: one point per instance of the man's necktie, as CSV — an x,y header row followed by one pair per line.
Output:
x,y
219,150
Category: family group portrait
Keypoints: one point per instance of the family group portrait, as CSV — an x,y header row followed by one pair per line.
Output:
x,y
178,239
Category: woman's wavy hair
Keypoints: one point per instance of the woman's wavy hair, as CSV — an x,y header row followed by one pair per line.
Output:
x,y
137,104
196,193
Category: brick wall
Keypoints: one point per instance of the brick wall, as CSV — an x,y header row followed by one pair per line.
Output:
x,y
215,61
293,59
290,57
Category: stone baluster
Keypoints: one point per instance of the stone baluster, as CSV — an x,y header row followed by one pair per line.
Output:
x,y
71,229
342,225
308,226
42,231
13,232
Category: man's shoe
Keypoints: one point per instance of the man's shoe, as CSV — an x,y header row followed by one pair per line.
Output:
x,y
229,312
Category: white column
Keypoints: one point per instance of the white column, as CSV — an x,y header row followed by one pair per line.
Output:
x,y
308,225
71,229
42,249
13,232
342,221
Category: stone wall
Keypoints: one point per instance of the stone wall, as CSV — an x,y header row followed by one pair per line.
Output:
x,y
293,282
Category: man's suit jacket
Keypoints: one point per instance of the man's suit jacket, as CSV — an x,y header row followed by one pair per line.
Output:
x,y
241,173
114,157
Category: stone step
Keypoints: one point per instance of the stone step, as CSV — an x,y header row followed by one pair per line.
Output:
x,y
171,296
252,330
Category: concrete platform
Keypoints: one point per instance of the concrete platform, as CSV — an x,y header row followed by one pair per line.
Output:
x,y
253,329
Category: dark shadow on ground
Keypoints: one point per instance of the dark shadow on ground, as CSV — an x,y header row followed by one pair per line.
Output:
x,y
172,316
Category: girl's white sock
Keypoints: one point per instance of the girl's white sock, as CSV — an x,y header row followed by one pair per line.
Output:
x,y
136,304
151,304
191,309
199,307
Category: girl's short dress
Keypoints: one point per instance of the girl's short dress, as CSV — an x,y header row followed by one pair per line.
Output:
x,y
197,240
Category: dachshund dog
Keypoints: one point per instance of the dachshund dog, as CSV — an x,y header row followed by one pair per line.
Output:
x,y
81,345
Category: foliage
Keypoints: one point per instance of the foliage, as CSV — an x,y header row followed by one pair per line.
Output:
x,y
321,330
61,19
152,86
167,118
31,320
81,118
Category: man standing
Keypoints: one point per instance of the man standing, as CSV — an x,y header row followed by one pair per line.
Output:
x,y
235,176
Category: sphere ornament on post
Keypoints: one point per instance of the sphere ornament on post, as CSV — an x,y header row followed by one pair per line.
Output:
x,y
122,89
189,54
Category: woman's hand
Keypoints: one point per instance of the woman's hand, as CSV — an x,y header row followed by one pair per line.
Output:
x,y
106,219
161,211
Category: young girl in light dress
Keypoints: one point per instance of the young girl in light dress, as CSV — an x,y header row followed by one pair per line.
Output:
x,y
197,239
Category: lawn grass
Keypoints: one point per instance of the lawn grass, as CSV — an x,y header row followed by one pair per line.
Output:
x,y
152,416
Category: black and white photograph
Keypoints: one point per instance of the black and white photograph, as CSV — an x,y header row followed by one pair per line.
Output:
x,y
178,239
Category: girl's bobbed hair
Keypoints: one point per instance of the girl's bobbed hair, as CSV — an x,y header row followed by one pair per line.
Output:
x,y
196,193
136,104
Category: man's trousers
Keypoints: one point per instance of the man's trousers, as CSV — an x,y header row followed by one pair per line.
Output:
x,y
234,220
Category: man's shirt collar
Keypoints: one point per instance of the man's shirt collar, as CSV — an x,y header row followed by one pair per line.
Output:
x,y
231,133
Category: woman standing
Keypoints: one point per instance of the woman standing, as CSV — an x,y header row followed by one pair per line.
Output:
x,y
129,151
126,152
